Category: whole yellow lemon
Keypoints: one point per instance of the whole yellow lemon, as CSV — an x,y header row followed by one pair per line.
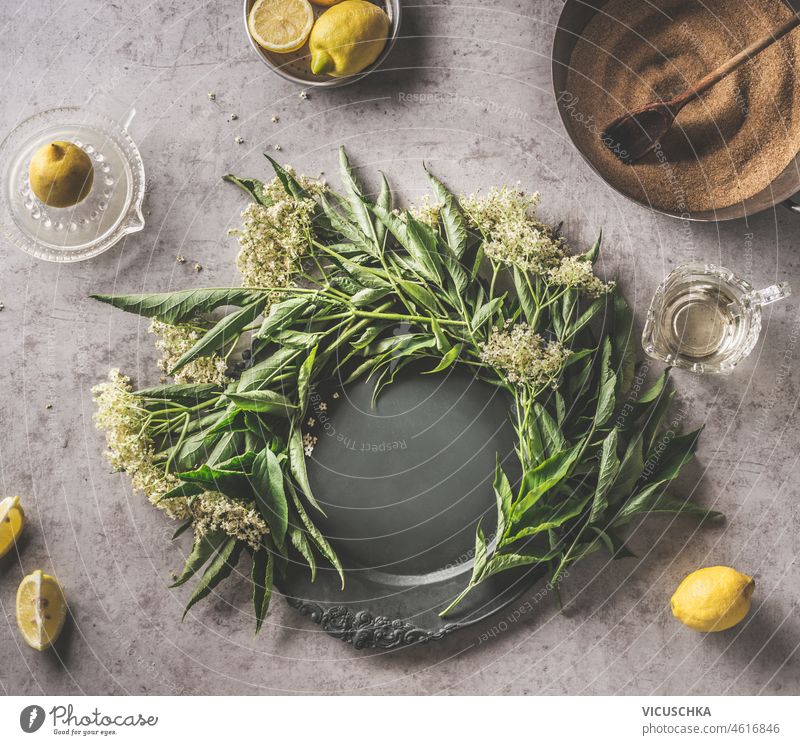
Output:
x,y
347,38
713,599
61,174
325,3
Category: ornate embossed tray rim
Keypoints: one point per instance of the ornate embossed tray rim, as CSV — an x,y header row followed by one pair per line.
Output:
x,y
385,604
364,629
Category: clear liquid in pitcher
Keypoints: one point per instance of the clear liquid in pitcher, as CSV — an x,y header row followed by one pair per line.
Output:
x,y
700,322
705,319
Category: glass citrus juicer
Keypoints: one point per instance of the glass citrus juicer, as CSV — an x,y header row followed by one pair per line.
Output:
x,y
111,210
705,318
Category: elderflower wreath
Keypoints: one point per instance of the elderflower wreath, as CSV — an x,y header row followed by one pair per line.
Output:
x,y
478,281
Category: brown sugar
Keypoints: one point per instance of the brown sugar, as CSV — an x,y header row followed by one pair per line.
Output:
x,y
725,146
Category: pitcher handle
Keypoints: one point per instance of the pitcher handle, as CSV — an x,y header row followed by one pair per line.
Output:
x,y
768,295
790,204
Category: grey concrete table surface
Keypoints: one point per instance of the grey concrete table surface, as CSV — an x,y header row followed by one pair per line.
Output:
x,y
467,89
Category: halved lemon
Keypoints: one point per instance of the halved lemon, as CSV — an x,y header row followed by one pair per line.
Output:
x,y
281,25
12,521
41,609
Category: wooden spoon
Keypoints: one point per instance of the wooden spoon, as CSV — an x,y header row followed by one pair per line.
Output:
x,y
633,135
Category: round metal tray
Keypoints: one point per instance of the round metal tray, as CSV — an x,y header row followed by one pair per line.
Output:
x,y
404,485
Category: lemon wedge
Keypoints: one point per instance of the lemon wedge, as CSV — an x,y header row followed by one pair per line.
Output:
x,y
281,25
12,521
41,609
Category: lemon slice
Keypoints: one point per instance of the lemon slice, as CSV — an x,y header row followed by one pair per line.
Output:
x,y
41,609
281,25
12,521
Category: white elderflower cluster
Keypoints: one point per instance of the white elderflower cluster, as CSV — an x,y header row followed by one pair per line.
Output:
x,y
523,356
426,212
129,448
173,341
213,511
513,235
577,274
274,239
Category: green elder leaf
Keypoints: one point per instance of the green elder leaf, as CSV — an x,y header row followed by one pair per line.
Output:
x,y
652,418
615,545
368,296
176,307
609,468
355,196
623,345
261,577
486,312
266,402
290,183
297,466
455,226
252,186
524,295
300,542
654,391
304,377
316,536
219,569
546,517
182,393
629,471
182,490
670,455
481,555
550,429
385,203
204,546
447,360
606,397
422,297
225,333
502,562
365,276
442,344
539,480
588,315
270,494
594,251
654,499
416,238
259,375
283,314
504,498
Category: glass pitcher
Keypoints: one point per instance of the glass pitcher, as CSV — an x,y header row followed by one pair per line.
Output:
x,y
705,318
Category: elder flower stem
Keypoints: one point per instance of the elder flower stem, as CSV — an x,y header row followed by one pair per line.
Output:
x,y
407,318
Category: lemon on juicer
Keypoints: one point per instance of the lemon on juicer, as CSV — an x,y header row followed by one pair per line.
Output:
x,y
347,38
713,598
41,609
61,174
12,522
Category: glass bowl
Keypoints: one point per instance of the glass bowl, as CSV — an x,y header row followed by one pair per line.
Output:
x,y
113,208
294,66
